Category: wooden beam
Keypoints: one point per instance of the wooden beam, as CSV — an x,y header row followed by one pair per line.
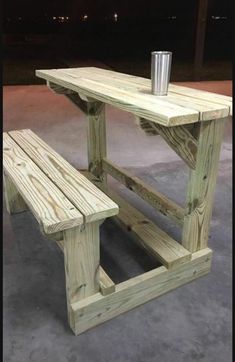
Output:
x,y
180,140
75,99
154,240
201,186
14,201
149,194
70,94
96,139
98,308
81,261
107,286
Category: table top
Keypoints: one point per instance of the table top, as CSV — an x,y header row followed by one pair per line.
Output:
x,y
182,105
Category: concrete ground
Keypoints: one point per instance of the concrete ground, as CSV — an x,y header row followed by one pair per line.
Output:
x,y
191,323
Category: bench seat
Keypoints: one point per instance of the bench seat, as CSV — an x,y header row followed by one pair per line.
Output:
x,y
59,196
67,206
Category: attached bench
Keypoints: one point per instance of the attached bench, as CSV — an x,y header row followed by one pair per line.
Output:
x,y
67,206
70,208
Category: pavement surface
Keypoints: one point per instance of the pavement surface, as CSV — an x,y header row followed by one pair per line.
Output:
x,y
191,323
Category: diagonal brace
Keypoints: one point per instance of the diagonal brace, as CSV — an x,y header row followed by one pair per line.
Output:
x,y
180,139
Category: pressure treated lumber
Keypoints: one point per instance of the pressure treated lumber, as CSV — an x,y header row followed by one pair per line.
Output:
x,y
90,201
14,201
207,110
139,103
133,94
155,241
96,139
71,95
81,261
51,208
201,186
149,194
129,294
107,286
202,99
181,141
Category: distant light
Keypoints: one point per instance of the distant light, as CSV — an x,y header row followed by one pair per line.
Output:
x,y
85,17
219,17
54,17
115,15
172,17
67,18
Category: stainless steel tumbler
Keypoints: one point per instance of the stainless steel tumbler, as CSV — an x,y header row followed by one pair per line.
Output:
x,y
160,72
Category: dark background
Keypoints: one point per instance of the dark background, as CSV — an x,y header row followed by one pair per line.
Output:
x,y
56,33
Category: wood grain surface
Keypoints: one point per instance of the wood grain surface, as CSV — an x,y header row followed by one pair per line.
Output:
x,y
48,204
133,94
90,201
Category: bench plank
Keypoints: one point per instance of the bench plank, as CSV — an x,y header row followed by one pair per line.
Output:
x,y
90,201
48,204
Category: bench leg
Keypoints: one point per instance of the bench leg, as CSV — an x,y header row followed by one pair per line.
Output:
x,y
201,186
82,260
14,201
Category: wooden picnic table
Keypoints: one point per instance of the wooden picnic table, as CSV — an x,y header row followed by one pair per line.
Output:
x,y
192,123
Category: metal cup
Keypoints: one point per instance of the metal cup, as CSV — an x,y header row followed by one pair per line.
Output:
x,y
160,72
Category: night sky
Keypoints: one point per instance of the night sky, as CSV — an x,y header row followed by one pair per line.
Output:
x,y
99,8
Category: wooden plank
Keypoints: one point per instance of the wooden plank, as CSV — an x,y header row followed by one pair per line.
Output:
x,y
107,286
181,141
156,199
96,139
14,201
92,203
81,260
207,110
48,204
77,101
201,186
142,84
60,244
71,95
147,127
141,104
157,242
203,95
136,291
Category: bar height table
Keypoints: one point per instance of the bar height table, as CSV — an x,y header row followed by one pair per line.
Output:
x,y
191,122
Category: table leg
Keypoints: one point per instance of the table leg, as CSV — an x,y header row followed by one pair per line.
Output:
x,y
201,187
96,139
